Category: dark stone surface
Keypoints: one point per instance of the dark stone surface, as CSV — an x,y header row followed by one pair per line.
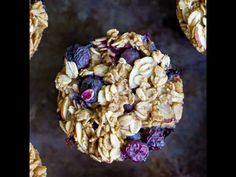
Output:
x,y
80,21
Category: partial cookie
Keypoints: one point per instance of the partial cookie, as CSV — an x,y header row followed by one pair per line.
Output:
x,y
192,18
118,97
38,22
35,169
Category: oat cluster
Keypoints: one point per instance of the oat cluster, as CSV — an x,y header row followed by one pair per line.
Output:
x,y
38,22
35,169
193,21
101,130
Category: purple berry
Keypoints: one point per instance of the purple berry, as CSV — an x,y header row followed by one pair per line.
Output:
x,y
145,37
124,156
130,55
137,136
150,44
128,107
78,54
137,151
75,96
167,131
155,137
89,88
84,104
155,140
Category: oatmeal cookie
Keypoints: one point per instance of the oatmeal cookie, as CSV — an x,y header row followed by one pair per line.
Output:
x,y
193,21
35,169
38,22
119,97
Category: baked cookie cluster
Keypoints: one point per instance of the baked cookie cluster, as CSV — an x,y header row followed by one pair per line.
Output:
x,y
193,22
38,22
119,97
36,169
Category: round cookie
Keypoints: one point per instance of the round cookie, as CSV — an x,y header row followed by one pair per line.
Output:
x,y
38,22
119,97
35,169
192,18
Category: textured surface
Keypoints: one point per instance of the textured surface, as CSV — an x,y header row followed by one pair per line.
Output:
x,y
80,21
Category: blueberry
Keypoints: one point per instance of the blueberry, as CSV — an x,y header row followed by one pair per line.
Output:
x,y
89,88
167,131
137,136
146,38
78,54
155,137
75,96
130,55
128,107
149,43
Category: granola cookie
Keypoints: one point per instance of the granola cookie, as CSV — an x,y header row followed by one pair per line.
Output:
x,y
192,18
36,169
118,97
38,22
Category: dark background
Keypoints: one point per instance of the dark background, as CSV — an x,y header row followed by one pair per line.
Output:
x,y
79,21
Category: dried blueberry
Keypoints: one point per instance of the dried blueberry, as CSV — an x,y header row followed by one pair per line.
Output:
x,y
155,137
171,73
89,88
83,103
117,52
167,131
75,96
137,151
137,136
128,107
130,55
148,42
78,54
156,140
